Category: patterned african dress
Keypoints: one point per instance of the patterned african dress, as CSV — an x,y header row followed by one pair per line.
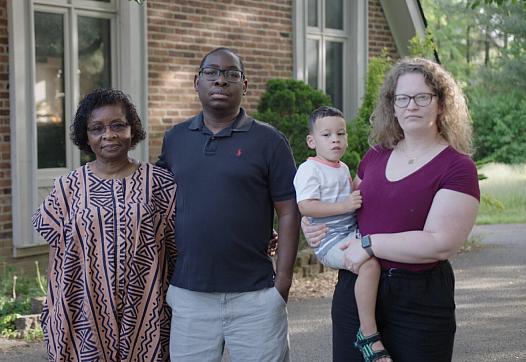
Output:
x,y
112,250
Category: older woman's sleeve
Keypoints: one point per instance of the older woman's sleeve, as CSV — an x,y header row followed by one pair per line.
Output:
x,y
48,219
170,230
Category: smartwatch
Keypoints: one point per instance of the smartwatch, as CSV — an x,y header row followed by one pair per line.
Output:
x,y
366,244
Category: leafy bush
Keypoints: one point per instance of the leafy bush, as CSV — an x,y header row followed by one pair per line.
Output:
x,y
499,122
287,104
359,128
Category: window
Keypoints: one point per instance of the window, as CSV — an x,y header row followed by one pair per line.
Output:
x,y
331,49
59,51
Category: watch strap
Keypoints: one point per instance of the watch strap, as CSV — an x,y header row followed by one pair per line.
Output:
x,y
366,244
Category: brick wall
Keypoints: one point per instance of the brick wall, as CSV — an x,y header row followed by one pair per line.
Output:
x,y
379,33
181,32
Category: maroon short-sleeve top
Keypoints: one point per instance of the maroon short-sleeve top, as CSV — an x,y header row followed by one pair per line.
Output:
x,y
403,205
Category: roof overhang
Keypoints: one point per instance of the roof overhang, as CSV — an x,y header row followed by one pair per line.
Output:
x,y
406,19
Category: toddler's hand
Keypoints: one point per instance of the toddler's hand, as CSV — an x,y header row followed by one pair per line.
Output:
x,y
354,201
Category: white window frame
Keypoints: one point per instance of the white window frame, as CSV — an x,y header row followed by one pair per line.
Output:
x,y
355,39
129,57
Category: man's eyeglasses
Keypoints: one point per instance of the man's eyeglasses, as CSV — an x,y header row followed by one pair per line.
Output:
x,y
100,129
230,75
421,99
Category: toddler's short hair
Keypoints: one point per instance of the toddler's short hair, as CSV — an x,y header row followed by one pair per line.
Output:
x,y
322,112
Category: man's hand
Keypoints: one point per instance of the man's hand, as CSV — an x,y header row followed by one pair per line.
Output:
x,y
288,223
283,287
314,233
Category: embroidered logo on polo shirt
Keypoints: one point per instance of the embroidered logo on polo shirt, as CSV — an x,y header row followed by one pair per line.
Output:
x,y
239,152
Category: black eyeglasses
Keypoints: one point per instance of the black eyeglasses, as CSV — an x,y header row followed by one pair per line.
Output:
x,y
230,75
421,99
100,129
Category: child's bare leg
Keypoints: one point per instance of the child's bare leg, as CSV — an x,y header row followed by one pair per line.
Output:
x,y
366,291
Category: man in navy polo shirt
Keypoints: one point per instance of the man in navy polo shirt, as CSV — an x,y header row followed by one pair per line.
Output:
x,y
232,172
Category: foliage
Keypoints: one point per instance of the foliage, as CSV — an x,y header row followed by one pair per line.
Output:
x,y
483,44
505,188
500,126
15,300
476,3
422,47
287,104
360,126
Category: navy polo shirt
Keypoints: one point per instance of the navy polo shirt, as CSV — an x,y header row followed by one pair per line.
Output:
x,y
226,186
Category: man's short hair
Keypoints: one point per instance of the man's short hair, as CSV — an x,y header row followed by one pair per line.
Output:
x,y
322,112
223,49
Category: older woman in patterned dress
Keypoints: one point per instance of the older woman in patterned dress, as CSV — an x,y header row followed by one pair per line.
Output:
x,y
110,227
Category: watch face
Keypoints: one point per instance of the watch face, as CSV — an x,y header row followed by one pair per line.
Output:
x,y
366,241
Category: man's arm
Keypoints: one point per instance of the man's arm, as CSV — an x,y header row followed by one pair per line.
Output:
x,y
161,162
288,234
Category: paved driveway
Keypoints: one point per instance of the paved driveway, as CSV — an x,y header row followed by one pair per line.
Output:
x,y
490,296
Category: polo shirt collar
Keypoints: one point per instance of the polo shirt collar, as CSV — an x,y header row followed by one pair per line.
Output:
x,y
242,123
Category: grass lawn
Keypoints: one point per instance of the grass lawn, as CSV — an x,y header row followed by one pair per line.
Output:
x,y
505,188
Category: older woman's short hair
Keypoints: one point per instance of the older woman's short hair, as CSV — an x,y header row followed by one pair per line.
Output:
x,y
99,98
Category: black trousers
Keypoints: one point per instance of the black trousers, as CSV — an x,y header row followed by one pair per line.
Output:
x,y
415,313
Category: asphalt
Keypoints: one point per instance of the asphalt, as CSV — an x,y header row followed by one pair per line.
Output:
x,y
490,296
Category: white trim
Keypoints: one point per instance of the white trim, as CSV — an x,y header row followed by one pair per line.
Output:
x,y
404,20
23,160
133,69
359,57
299,39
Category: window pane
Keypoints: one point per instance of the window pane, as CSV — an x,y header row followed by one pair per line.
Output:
x,y
49,90
94,54
312,13
312,62
334,14
334,73
94,59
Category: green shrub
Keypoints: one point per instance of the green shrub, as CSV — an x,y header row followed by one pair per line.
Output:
x,y
499,122
287,104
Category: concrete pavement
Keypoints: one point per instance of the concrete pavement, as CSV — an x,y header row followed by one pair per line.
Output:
x,y
490,297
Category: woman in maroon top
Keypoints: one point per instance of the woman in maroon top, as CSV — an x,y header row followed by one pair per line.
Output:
x,y
420,199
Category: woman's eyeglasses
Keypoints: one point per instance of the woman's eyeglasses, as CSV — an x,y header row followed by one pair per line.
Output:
x,y
421,99
100,129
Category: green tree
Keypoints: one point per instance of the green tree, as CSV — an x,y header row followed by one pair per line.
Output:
x,y
483,43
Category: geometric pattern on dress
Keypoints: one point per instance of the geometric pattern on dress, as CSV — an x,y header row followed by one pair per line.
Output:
x,y
112,251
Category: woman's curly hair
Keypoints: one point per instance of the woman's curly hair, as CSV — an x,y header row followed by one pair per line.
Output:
x,y
453,122
99,98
